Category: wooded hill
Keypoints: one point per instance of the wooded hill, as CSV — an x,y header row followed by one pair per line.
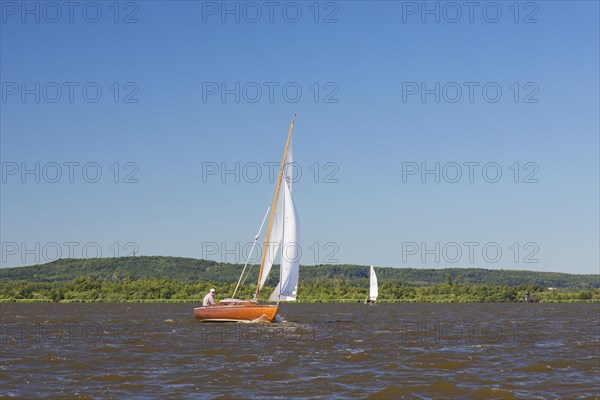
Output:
x,y
189,270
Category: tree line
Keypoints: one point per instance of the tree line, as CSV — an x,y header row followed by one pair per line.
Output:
x,y
337,289
189,270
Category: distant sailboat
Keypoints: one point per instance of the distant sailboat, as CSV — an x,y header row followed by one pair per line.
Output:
x,y
373,288
282,237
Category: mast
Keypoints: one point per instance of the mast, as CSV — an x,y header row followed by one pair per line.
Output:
x,y
273,208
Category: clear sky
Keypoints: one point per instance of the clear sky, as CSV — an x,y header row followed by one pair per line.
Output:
x,y
163,97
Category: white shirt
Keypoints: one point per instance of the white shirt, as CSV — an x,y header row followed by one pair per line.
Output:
x,y
208,300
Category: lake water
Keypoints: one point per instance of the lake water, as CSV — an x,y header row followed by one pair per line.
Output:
x,y
394,351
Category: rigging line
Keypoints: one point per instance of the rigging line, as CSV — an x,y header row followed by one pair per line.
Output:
x,y
251,251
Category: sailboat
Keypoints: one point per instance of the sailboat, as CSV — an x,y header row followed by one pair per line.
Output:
x,y
373,287
282,237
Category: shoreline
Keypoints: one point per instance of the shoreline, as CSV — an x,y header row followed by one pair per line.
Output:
x,y
356,301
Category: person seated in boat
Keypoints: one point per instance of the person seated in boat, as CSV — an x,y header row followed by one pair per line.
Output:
x,y
209,300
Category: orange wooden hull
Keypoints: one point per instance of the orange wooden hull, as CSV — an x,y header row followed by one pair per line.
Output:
x,y
237,311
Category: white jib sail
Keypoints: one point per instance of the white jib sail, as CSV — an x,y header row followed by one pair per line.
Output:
x,y
274,240
277,226
290,251
374,288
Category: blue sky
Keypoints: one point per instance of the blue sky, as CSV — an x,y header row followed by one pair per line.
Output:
x,y
386,87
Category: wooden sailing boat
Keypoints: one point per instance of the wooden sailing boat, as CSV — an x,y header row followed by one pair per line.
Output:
x,y
282,236
373,287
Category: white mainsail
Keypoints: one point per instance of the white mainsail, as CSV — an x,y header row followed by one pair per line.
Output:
x,y
277,227
284,238
374,288
287,288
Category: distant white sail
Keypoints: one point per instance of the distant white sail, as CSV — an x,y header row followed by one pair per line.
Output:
x,y
290,250
374,288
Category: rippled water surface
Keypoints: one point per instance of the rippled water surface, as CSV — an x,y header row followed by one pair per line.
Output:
x,y
320,351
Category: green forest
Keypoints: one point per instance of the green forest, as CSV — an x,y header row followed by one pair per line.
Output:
x,y
172,279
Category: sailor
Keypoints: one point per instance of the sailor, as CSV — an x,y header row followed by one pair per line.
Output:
x,y
209,300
